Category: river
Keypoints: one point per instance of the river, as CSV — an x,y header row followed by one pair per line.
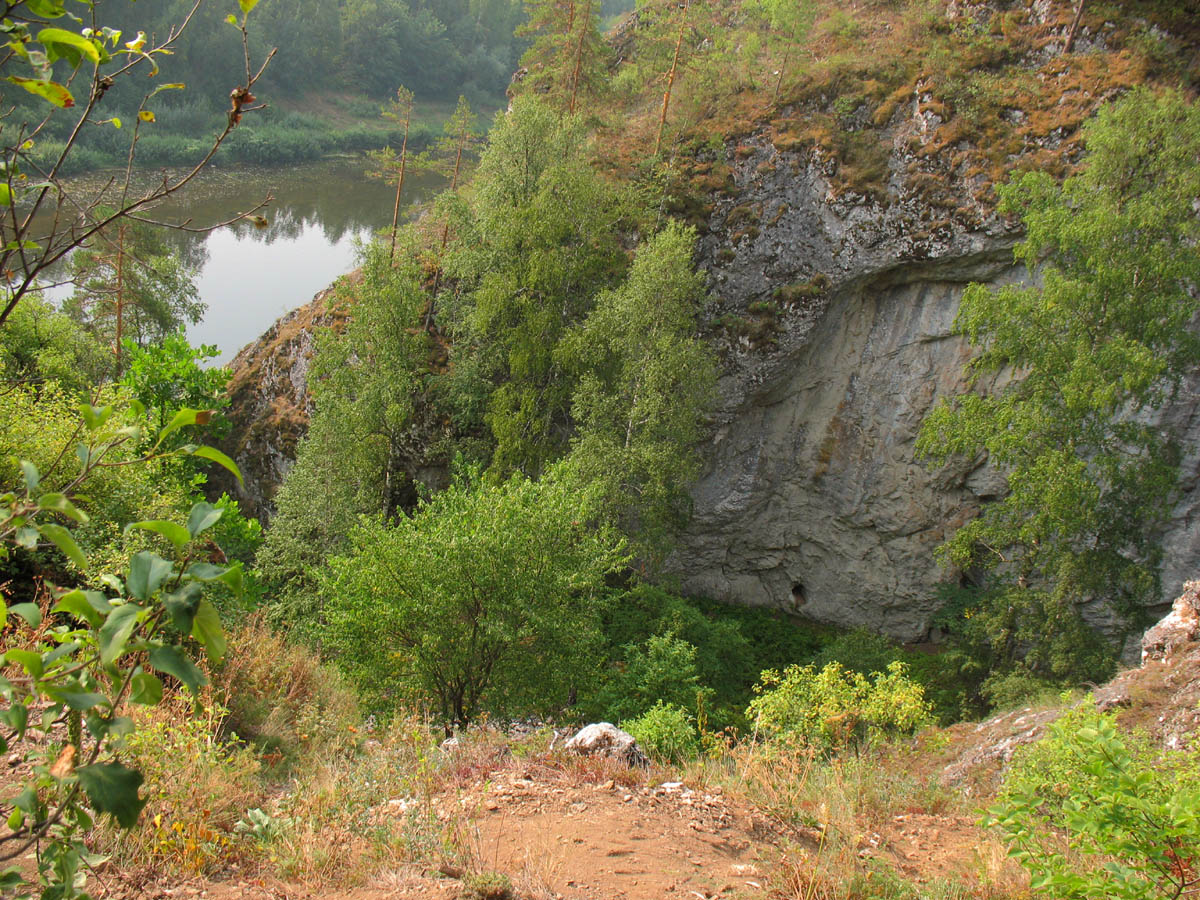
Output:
x,y
250,276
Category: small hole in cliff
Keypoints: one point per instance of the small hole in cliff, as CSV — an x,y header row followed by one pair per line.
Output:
x,y
798,598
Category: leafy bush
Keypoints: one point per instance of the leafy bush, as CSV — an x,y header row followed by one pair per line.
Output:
x,y
84,659
666,732
833,708
1092,813
485,598
660,669
733,644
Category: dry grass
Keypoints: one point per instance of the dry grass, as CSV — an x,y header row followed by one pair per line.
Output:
x,y
197,789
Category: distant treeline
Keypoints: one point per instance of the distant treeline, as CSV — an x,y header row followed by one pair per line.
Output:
x,y
438,48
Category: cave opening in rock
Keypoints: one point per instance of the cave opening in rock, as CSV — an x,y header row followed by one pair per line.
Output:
x,y
798,597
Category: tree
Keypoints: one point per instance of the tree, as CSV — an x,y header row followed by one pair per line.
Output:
x,y
534,247
458,130
169,376
129,285
388,165
788,22
350,462
646,381
485,598
40,345
1083,361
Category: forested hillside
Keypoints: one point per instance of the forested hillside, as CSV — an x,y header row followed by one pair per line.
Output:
x,y
749,337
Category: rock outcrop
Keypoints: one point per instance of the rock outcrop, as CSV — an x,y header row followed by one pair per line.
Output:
x,y
1160,697
270,403
812,498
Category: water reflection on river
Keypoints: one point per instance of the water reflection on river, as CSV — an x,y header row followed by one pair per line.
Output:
x,y
250,276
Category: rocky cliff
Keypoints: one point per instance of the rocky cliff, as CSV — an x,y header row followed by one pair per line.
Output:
x,y
834,297
270,403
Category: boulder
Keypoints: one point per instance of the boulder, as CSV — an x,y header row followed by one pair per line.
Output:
x,y
606,739
1179,627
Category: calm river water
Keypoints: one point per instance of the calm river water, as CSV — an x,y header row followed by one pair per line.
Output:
x,y
250,276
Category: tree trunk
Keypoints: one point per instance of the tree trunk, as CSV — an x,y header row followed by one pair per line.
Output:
x,y
437,278
120,292
662,118
400,183
583,30
1071,32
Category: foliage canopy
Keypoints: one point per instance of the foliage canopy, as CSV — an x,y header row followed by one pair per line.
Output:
x,y
1078,365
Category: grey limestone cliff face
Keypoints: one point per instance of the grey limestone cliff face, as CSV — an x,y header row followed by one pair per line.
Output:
x,y
812,498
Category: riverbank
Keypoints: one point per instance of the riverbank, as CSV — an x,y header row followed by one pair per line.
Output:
x,y
288,131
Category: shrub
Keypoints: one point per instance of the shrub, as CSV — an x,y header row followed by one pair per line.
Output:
x,y
1092,813
662,668
484,599
666,732
834,708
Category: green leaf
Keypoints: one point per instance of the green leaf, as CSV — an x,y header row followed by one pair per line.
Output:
x,y
11,879
63,540
233,578
206,628
77,699
182,419
27,800
175,533
146,689
55,502
202,516
206,452
182,605
101,727
28,660
77,604
95,417
16,717
203,571
29,470
231,19
147,572
30,612
5,194
60,43
62,651
171,661
45,9
27,537
114,633
247,5
51,91
112,788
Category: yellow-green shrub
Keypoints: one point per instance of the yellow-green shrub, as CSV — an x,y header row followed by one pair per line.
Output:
x,y
833,708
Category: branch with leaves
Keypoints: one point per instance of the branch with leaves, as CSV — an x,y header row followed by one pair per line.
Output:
x,y
43,217
73,668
